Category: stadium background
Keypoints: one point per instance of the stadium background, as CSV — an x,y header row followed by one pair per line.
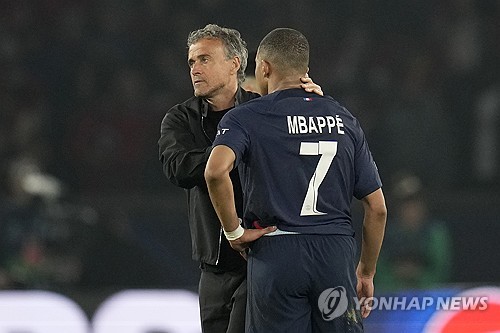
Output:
x,y
85,84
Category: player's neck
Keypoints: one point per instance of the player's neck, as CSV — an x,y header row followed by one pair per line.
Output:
x,y
284,83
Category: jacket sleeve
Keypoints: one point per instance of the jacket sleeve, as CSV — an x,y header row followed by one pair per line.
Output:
x,y
183,159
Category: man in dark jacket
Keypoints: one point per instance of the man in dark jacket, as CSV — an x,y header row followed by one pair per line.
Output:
x,y
217,58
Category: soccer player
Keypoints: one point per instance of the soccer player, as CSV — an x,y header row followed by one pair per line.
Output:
x,y
301,159
217,58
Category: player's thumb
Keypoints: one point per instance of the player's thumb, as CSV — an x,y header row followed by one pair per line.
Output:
x,y
257,233
268,230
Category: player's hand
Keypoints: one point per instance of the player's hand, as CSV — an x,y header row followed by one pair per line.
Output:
x,y
250,235
309,86
365,290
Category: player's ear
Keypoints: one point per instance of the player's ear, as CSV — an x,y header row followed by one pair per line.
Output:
x,y
266,68
259,67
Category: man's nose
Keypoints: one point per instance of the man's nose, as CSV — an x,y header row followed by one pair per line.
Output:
x,y
195,69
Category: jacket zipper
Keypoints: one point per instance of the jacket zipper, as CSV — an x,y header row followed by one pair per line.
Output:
x,y
218,250
220,231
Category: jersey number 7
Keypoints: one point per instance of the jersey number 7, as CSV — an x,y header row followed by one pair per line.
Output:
x,y
327,150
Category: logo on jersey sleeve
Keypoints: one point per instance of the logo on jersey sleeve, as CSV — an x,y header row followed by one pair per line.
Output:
x,y
222,131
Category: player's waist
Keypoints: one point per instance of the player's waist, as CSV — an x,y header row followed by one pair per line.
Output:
x,y
328,229
279,232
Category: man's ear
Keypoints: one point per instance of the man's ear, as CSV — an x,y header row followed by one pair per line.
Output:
x,y
236,63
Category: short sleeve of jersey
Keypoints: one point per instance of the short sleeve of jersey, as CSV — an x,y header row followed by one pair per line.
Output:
x,y
231,133
366,172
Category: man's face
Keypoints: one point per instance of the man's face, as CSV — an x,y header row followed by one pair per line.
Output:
x,y
210,71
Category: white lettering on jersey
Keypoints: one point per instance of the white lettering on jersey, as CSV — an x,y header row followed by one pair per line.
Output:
x,y
318,124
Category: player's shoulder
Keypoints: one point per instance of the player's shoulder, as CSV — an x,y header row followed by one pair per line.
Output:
x,y
339,107
250,106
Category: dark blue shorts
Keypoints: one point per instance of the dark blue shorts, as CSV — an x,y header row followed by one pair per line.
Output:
x,y
302,283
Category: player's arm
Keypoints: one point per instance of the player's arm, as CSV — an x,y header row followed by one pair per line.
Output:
x,y
375,216
220,188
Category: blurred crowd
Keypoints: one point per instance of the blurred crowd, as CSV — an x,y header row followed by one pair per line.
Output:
x,y
85,84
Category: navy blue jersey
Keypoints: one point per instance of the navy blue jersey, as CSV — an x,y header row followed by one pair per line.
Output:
x,y
301,159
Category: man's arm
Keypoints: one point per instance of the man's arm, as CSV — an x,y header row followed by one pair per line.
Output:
x,y
221,192
183,160
309,86
373,233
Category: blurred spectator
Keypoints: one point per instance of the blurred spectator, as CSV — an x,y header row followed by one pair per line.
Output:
x,y
415,125
107,140
39,245
417,250
487,137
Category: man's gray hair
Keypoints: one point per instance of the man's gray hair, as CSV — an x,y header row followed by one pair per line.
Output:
x,y
233,44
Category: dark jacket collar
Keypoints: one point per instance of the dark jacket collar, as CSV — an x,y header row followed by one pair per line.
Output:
x,y
241,97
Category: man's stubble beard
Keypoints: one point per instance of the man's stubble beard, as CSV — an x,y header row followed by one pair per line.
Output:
x,y
210,93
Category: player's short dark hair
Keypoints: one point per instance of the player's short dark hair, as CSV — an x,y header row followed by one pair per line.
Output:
x,y
287,49
234,45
